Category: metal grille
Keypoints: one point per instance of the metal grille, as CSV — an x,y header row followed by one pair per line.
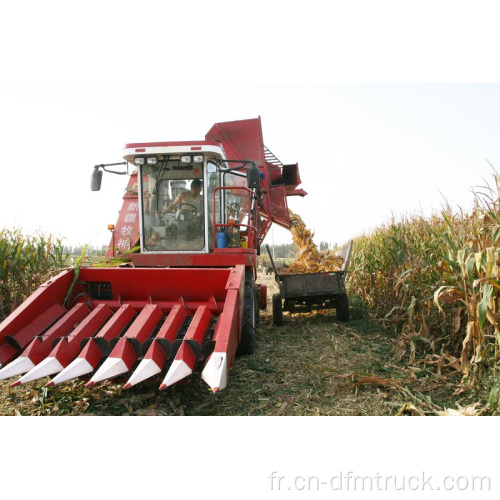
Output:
x,y
271,158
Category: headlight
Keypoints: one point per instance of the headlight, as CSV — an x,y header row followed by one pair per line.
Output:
x,y
152,160
185,159
139,161
198,159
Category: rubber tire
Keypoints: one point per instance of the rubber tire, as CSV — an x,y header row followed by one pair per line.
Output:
x,y
257,307
248,340
343,308
277,310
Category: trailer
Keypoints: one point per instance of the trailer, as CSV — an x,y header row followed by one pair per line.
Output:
x,y
315,291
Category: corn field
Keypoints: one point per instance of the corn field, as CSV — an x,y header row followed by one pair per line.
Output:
x,y
436,282
25,263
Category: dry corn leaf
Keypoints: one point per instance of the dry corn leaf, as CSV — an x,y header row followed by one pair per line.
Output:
x,y
468,411
409,409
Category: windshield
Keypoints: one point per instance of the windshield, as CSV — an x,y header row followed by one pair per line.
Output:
x,y
173,205
183,201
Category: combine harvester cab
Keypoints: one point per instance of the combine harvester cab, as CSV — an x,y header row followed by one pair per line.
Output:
x,y
177,292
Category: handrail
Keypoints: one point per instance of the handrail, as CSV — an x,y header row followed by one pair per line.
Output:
x,y
250,227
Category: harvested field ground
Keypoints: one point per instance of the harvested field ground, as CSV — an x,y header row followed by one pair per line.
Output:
x,y
313,365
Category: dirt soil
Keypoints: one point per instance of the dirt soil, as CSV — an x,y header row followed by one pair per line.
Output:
x,y
312,365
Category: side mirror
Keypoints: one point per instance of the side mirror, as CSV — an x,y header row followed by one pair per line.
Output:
x,y
253,176
95,184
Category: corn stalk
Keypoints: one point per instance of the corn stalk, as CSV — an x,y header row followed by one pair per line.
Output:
x,y
25,263
435,281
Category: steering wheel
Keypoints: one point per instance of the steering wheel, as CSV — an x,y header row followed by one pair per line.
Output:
x,y
192,215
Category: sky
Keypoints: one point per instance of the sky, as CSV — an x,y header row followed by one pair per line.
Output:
x,y
366,152
371,142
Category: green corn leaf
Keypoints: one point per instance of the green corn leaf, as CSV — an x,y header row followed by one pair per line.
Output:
x,y
496,235
450,242
494,397
482,308
469,267
77,274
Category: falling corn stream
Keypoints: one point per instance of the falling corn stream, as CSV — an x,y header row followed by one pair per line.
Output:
x,y
309,258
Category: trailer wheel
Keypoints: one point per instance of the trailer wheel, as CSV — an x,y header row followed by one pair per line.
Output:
x,y
277,310
248,339
343,307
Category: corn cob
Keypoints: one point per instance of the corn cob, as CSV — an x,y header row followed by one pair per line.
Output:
x,y
309,258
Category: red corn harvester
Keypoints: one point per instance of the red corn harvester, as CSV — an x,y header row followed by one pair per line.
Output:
x,y
186,300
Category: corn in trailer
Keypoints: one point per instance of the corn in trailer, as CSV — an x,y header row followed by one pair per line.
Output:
x,y
187,300
313,291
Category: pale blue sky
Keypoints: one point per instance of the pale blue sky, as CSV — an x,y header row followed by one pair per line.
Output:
x,y
365,151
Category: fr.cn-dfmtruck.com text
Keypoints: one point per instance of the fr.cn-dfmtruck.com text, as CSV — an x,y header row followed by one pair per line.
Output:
x,y
349,481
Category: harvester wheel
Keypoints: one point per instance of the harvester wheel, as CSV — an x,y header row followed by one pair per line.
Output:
x,y
250,306
343,307
277,310
257,306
